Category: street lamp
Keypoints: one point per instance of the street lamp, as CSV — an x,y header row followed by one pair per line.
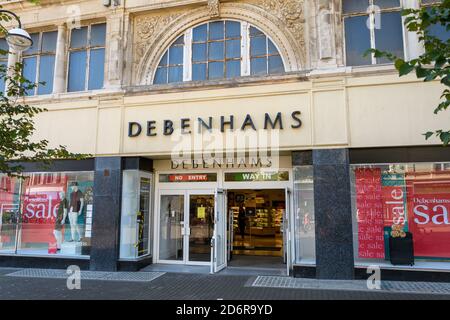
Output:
x,y
18,39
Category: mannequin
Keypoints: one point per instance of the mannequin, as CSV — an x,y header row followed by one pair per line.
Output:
x,y
60,219
76,203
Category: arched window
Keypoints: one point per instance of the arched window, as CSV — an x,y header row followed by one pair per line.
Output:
x,y
219,50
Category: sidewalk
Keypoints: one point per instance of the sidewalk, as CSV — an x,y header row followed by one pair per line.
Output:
x,y
51,284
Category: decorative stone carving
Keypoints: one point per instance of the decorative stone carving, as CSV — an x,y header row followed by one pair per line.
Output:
x,y
147,28
214,8
283,21
290,14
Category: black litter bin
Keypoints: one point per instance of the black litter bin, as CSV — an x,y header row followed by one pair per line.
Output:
x,y
402,250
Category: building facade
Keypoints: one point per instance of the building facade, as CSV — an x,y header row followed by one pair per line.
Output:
x,y
224,130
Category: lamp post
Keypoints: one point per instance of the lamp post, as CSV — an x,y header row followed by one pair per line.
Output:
x,y
18,39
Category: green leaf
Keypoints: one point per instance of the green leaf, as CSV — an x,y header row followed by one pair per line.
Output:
x,y
428,135
405,69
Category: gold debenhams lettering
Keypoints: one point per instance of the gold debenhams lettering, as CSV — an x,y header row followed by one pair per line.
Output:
x,y
206,123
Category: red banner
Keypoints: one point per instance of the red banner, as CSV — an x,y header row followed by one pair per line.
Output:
x,y
429,214
370,214
40,205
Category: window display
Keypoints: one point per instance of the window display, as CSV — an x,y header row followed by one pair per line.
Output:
x,y
9,212
135,215
47,213
304,225
401,212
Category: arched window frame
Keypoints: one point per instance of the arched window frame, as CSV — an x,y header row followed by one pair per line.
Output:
x,y
245,51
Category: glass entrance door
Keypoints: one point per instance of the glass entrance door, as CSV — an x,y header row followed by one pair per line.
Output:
x,y
171,227
186,226
201,224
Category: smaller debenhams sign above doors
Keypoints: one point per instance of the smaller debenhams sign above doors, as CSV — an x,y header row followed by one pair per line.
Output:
x,y
187,125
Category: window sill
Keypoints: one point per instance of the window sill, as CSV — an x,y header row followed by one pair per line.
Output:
x,y
70,95
50,256
216,84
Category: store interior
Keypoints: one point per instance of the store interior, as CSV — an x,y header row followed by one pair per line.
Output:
x,y
257,226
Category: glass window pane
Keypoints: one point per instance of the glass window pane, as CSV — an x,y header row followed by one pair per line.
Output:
x,y
232,29
275,65
170,224
352,6
46,72
135,214
430,1
258,46
180,40
304,224
400,212
49,41
255,31
96,69
233,49
233,69
175,55
4,45
35,47
272,48
160,76
258,66
98,34
199,33
77,71
29,71
175,74
199,71
439,31
10,212
216,51
199,52
216,30
4,66
163,61
57,215
78,38
215,70
357,41
390,36
386,4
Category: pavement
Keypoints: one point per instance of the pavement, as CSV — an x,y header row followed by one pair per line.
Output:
x,y
52,285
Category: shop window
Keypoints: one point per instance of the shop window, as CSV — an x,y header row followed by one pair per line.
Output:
x,y
3,63
47,213
304,224
87,58
9,212
39,62
372,24
401,213
136,218
219,50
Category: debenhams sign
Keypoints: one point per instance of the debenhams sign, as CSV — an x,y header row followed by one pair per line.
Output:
x,y
185,125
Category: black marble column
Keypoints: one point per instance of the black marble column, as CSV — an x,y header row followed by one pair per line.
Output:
x,y
333,215
106,216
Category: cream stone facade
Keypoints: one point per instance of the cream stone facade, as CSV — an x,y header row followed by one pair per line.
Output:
x,y
327,121
341,106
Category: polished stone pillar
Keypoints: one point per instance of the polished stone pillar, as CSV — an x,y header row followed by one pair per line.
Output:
x,y
333,214
106,216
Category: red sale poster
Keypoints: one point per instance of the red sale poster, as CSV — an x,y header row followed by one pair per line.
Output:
x,y
41,199
370,214
429,209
